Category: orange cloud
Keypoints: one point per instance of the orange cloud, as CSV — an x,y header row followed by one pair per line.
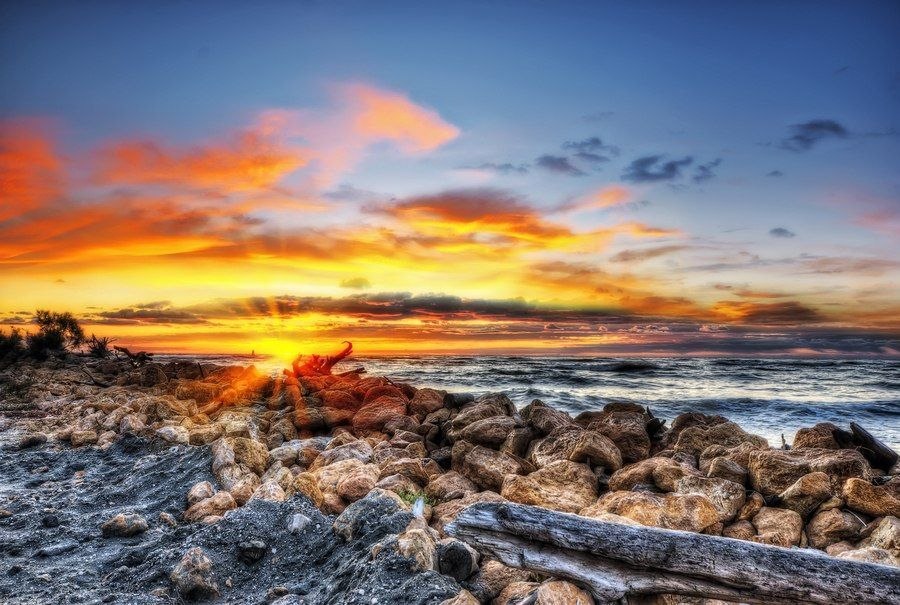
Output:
x,y
379,114
605,197
31,172
250,161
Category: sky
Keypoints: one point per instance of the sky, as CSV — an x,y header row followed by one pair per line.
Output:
x,y
597,178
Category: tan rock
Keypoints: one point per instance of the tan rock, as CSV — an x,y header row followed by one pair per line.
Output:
x,y
449,486
306,484
464,597
490,432
486,468
217,504
695,439
516,593
777,526
249,452
740,530
820,436
446,512
544,418
571,442
806,494
494,576
420,546
871,554
686,512
724,468
358,482
773,471
726,496
874,500
269,490
558,592
886,535
200,491
412,468
193,577
830,526
201,435
244,488
561,485
627,430
84,437
358,449
124,525
664,470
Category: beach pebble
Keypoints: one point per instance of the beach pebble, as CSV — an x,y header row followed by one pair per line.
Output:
x,y
124,525
193,576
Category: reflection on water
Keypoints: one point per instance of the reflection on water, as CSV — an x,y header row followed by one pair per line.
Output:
x,y
765,396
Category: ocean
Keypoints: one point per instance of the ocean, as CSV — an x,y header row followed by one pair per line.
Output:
x,y
768,397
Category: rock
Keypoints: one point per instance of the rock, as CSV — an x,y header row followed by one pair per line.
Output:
x,y
777,526
752,505
486,468
820,436
32,439
358,450
874,500
286,454
298,523
307,485
490,432
830,526
193,577
269,490
200,491
133,424
79,438
456,559
886,535
380,511
723,468
543,418
216,505
124,525
464,597
773,471
740,530
446,512
243,450
558,592
251,551
695,439
806,494
419,545
357,483
561,485
493,577
871,555
571,442
516,593
726,496
488,406
662,472
426,401
373,416
687,512
413,469
627,430
201,435
449,486
243,489
174,434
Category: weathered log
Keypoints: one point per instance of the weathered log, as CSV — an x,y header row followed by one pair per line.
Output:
x,y
616,561
137,359
873,449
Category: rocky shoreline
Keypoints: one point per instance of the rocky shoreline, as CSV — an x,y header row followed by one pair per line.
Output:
x,y
177,482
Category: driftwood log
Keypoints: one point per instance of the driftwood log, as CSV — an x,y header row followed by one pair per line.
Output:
x,y
620,562
137,359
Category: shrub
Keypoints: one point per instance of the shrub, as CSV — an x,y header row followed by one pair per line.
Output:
x,y
99,347
56,332
11,344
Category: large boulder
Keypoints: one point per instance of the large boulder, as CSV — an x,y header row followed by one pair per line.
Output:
x,y
874,500
773,471
486,468
558,592
806,494
543,418
686,512
831,526
426,401
820,436
695,439
242,450
660,472
561,485
486,406
626,428
885,534
373,416
490,432
571,442
449,486
214,506
726,496
359,449
193,576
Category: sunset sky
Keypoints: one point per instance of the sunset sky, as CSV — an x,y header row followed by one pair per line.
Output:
x,y
585,178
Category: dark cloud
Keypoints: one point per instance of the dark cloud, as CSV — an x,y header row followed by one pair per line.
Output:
x,y
652,168
788,312
705,172
591,149
781,232
559,164
646,253
775,173
357,283
148,313
504,168
806,135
